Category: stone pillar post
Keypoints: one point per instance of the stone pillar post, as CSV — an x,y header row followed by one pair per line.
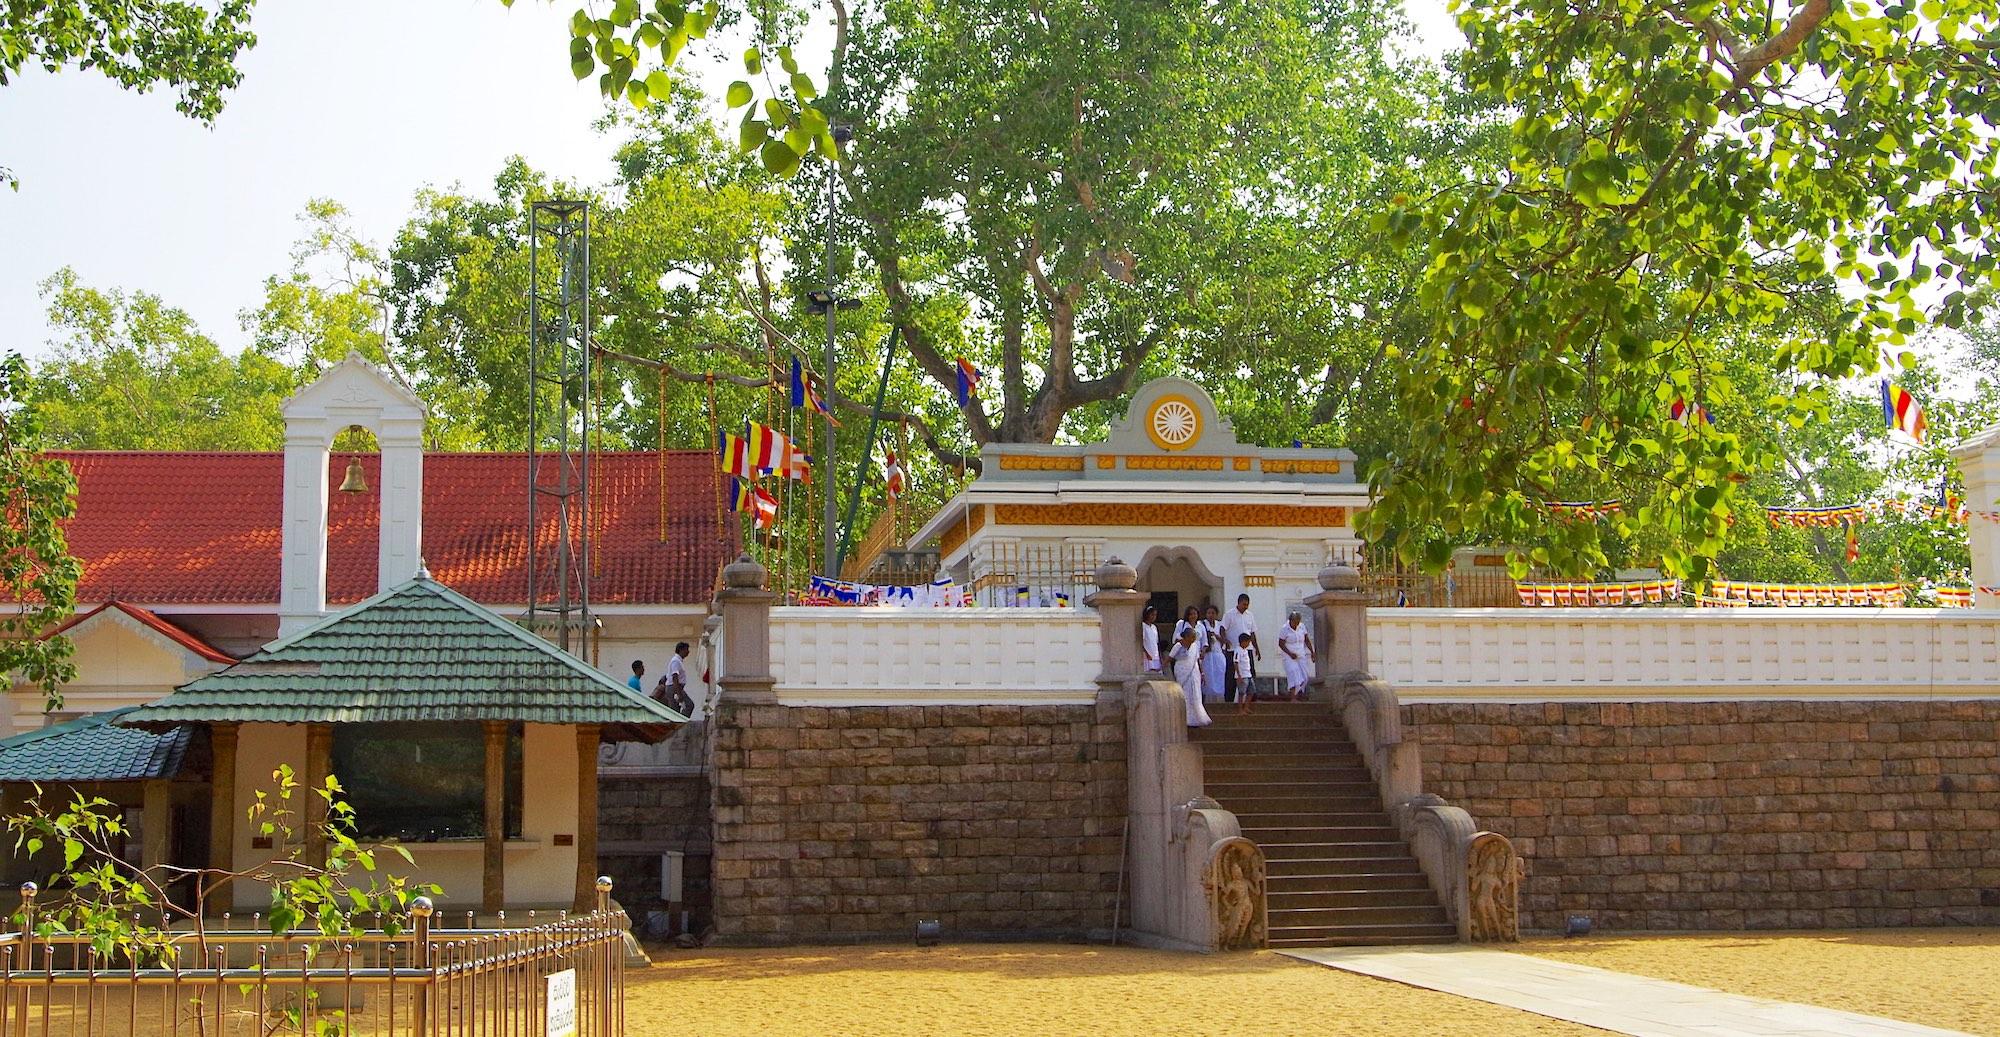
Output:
x,y
319,761
587,737
1340,622
1118,609
158,820
1979,461
222,807
493,863
746,634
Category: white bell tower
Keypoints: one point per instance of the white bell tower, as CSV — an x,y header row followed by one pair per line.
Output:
x,y
352,392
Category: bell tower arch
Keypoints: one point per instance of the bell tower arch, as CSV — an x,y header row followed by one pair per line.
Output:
x,y
352,392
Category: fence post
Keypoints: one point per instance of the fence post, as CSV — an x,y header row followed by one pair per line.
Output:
x,y
1118,610
421,910
614,951
28,890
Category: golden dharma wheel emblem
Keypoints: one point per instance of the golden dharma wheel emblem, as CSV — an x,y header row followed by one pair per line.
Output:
x,y
1174,423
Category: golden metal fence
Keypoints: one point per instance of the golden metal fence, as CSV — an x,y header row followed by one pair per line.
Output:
x,y
430,981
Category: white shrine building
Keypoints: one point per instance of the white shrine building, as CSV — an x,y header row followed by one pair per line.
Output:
x,y
1171,491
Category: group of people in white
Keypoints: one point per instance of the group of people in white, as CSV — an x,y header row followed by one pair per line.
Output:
x,y
1215,655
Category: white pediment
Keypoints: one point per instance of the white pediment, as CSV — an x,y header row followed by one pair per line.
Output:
x,y
1171,415
354,391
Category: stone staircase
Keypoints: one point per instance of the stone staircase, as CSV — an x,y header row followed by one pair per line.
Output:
x,y
1338,872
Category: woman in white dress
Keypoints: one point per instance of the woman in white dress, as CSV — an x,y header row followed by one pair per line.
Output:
x,y
1214,655
1149,638
1295,643
1190,620
1187,670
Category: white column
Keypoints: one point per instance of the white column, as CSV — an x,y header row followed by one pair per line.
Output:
x,y
1260,580
302,592
399,547
1979,461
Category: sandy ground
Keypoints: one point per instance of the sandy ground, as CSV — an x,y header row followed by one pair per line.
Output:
x,y
1948,978
1040,989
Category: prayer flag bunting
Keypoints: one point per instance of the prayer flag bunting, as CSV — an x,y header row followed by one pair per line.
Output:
x,y
1687,413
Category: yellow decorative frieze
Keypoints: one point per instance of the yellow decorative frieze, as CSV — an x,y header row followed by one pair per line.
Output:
x,y
955,535
1300,466
1107,461
1039,463
1168,515
1241,464
1139,462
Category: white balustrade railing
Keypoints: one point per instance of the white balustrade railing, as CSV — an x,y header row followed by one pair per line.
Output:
x,y
893,656
1527,655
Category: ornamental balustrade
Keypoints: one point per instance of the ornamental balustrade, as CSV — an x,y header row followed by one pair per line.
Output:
x,y
1532,654
973,656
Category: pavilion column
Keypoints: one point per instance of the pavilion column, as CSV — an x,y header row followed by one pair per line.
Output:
x,y
586,817
493,873
319,762
222,805
158,813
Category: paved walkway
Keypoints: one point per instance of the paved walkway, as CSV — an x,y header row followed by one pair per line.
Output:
x,y
1615,1001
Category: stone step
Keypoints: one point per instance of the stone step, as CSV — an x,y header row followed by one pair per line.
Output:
x,y
1284,800
1301,900
1325,749
1348,917
1384,850
1412,881
1361,935
1223,785
1314,817
1340,869
1371,835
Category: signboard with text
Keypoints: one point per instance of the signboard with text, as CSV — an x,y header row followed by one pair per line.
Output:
x,y
562,1004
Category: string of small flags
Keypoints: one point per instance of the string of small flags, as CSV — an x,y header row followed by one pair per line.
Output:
x,y
938,594
1838,515
1580,510
1566,595
1797,595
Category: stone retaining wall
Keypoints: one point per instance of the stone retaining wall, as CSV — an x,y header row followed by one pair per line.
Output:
x,y
649,815
1732,815
856,822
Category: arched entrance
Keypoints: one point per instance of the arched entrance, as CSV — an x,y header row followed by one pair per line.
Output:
x,y
1174,578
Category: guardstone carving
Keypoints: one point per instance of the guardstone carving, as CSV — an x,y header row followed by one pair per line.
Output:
x,y
1234,885
1493,884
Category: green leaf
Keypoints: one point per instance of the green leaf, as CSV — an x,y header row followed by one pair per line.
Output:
x,y
778,158
72,850
753,61
659,84
738,94
754,133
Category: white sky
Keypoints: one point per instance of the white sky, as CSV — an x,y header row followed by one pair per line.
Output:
x,y
362,101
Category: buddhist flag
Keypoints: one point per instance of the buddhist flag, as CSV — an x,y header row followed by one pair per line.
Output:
x,y
764,508
733,456
804,395
968,381
892,475
1687,414
1904,416
739,495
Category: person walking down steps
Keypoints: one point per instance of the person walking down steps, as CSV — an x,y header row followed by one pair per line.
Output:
x,y
1214,656
1296,642
1187,670
1246,671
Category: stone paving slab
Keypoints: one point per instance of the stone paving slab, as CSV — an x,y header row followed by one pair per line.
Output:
x,y
1615,1001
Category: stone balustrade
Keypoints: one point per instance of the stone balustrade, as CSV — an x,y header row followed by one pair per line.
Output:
x,y
934,657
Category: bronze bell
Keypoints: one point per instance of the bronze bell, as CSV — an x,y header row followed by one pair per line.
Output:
x,y
355,481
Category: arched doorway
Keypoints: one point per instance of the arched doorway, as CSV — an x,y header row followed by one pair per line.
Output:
x,y
1174,578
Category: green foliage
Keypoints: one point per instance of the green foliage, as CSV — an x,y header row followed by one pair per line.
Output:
x,y
130,372
98,894
1680,178
37,572
138,44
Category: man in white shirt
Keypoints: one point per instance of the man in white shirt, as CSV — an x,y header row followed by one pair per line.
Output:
x,y
1235,624
672,688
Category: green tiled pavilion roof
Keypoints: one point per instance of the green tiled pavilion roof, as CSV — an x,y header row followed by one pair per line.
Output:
x,y
420,651
93,749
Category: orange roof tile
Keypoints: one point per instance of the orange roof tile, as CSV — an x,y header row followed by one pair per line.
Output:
x,y
203,528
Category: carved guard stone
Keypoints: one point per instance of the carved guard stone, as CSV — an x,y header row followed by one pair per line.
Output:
x,y
1234,885
1493,889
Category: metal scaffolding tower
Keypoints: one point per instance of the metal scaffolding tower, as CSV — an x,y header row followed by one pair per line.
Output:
x,y
560,423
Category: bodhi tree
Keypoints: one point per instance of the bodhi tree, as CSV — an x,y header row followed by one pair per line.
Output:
x,y
1678,172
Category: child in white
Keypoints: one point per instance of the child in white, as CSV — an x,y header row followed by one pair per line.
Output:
x,y
1187,670
1243,673
1295,644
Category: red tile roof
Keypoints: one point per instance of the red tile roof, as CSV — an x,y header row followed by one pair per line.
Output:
x,y
171,632
202,528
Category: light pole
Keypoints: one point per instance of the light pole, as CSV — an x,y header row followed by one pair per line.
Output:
x,y
831,303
